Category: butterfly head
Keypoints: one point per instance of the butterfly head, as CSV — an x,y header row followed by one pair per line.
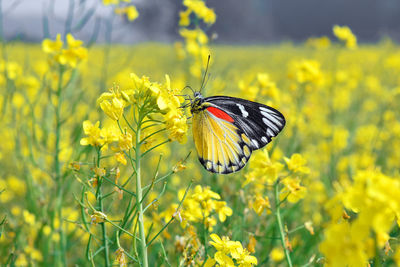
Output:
x,y
197,95
196,104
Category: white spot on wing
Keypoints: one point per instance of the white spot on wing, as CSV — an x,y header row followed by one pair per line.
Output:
x,y
271,125
243,110
270,133
267,110
272,118
264,139
255,143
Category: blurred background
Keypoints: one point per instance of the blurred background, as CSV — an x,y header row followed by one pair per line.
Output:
x,y
255,21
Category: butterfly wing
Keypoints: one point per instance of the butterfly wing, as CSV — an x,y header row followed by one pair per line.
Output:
x,y
228,129
219,142
260,123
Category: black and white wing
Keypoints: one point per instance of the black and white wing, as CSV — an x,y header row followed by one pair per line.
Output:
x,y
260,123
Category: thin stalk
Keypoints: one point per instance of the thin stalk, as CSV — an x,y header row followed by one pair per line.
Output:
x,y
99,198
57,168
139,192
280,224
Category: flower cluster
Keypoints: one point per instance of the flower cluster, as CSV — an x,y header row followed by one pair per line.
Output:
x,y
200,206
306,72
196,40
68,56
266,172
344,34
160,97
123,7
260,86
373,197
319,42
230,253
199,9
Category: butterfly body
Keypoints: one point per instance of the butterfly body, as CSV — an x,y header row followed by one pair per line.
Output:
x,y
226,130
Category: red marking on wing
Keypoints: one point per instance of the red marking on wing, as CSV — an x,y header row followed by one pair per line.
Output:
x,y
220,114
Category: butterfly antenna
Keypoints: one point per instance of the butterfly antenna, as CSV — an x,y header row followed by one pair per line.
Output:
x,y
205,74
187,86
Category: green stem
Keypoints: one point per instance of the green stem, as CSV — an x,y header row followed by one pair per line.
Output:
x,y
280,224
57,169
139,192
99,198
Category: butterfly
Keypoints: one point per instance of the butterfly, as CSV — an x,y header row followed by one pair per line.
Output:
x,y
226,130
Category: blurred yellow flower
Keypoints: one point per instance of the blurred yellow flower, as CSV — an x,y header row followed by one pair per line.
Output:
x,y
293,190
319,42
297,163
344,34
93,134
51,47
277,254
110,2
70,56
223,210
130,12
125,141
184,17
29,218
263,170
260,204
201,10
306,71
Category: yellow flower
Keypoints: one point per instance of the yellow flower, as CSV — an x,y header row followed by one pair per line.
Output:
x,y
52,47
260,204
306,71
263,170
243,257
109,134
223,245
120,157
293,190
113,108
344,34
204,194
226,247
346,246
72,42
130,12
125,141
319,43
29,217
277,254
46,230
223,210
110,2
184,17
93,134
223,260
72,56
210,262
296,164
201,10
13,70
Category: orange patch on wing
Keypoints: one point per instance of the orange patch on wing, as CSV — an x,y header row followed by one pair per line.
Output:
x,y
220,114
